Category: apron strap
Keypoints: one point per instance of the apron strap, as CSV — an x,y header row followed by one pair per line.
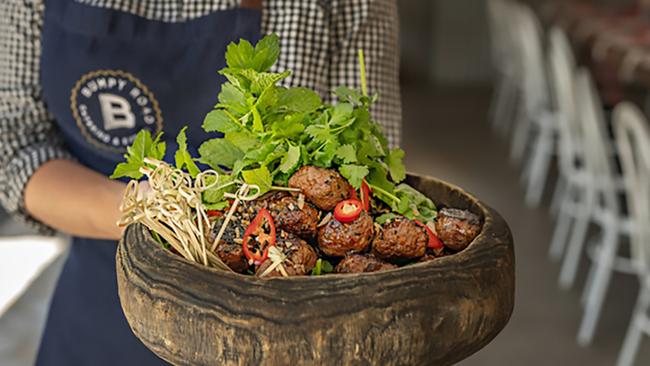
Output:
x,y
251,4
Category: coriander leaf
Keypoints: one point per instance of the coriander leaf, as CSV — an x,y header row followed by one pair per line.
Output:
x,y
218,120
183,157
243,139
239,55
346,94
396,165
341,114
267,51
219,152
300,100
290,160
354,174
260,177
319,133
289,127
326,154
347,153
233,99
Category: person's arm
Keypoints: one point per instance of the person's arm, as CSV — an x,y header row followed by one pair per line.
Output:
x,y
39,181
75,200
372,26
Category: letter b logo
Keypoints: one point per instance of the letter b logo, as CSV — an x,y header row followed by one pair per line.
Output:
x,y
116,112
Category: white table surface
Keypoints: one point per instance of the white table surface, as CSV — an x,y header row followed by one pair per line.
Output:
x,y
22,259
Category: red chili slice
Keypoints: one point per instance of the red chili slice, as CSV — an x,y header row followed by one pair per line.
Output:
x,y
213,213
348,210
266,240
434,242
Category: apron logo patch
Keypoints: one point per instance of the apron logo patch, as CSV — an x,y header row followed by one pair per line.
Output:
x,y
111,106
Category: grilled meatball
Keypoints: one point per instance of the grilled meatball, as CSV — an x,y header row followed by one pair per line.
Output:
x,y
229,248
323,187
457,228
358,263
287,213
337,239
400,239
300,257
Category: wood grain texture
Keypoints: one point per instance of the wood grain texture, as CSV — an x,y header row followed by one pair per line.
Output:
x,y
434,313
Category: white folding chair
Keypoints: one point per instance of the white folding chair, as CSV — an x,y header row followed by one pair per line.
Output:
x,y
572,177
505,60
633,144
599,205
536,124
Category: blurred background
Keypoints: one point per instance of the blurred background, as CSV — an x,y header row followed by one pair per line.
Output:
x,y
484,109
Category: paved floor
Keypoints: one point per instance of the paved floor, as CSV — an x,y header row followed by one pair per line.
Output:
x,y
446,135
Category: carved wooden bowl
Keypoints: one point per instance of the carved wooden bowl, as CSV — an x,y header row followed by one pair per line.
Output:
x,y
433,313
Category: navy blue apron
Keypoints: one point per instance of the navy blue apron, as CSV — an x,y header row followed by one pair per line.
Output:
x,y
106,75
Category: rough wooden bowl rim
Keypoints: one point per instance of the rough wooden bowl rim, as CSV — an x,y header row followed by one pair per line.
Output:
x,y
486,216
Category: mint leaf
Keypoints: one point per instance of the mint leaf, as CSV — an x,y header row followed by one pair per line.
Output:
x,y
219,121
267,51
233,99
215,195
395,165
354,174
347,153
289,127
300,100
239,55
260,81
346,94
243,139
290,160
183,157
143,147
219,152
260,177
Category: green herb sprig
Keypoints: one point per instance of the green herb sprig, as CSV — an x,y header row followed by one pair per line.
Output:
x,y
270,131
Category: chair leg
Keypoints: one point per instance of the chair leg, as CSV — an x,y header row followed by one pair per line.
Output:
x,y
559,195
576,245
505,108
540,161
602,275
635,330
520,136
561,232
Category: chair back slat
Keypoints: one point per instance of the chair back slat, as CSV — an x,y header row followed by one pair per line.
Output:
x,y
633,146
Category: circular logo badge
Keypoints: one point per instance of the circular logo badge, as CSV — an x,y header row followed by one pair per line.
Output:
x,y
111,107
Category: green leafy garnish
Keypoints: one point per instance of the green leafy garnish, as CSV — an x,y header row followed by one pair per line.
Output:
x,y
270,131
322,267
143,147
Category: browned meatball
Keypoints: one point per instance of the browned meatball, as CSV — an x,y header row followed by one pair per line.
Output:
x,y
323,187
358,263
457,228
288,215
229,248
400,239
337,239
287,212
301,257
